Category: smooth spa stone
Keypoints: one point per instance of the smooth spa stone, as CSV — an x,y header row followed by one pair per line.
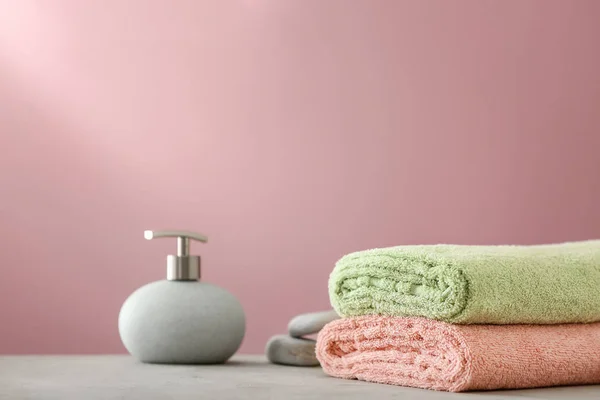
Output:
x,y
310,323
286,350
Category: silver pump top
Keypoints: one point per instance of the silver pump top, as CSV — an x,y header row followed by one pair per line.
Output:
x,y
183,266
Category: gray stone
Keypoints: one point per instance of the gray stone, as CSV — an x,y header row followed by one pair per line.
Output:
x,y
310,323
286,350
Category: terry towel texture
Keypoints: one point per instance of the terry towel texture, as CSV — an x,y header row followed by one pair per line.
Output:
x,y
436,355
538,284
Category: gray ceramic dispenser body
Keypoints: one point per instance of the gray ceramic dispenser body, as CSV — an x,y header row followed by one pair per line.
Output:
x,y
181,320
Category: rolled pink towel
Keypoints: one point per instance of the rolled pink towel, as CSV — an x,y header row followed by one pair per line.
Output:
x,y
430,354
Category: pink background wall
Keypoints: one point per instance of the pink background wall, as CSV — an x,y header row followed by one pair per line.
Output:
x,y
289,132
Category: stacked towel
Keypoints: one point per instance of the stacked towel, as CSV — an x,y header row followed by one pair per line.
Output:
x,y
460,318
436,355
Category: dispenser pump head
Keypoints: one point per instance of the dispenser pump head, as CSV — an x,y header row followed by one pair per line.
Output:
x,y
183,266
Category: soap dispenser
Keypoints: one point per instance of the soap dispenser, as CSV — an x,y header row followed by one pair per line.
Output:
x,y
181,320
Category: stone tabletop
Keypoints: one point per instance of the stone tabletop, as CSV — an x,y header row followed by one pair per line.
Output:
x,y
244,377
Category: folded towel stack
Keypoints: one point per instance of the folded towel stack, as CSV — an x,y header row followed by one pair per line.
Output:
x,y
459,318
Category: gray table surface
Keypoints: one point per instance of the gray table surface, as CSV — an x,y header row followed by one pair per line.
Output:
x,y
243,377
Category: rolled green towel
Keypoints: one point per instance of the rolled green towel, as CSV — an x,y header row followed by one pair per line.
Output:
x,y
506,284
